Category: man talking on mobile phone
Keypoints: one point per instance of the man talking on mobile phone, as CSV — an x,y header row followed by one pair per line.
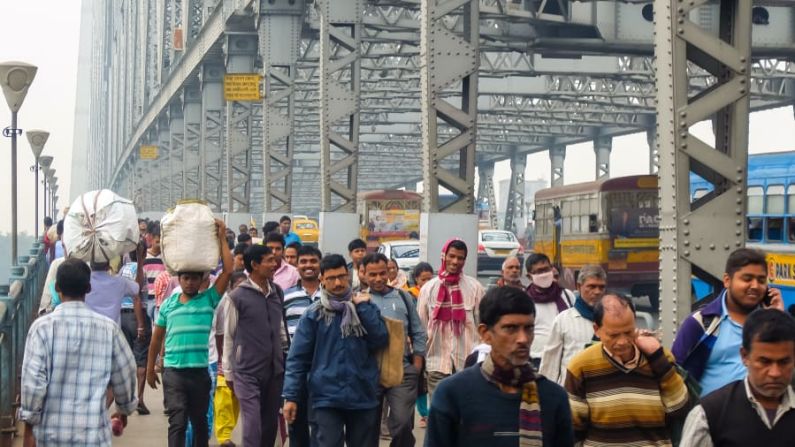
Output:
x,y
708,343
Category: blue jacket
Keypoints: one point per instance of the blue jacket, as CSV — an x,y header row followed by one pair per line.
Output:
x,y
337,372
697,337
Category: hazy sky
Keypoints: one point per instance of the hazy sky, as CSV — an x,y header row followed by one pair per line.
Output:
x,y
46,33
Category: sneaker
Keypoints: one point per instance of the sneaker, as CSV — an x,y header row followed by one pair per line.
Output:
x,y
142,410
116,426
423,422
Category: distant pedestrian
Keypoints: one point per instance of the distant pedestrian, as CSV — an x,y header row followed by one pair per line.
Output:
x,y
572,330
185,321
237,255
332,360
624,390
501,402
397,277
760,409
254,343
242,229
708,343
448,308
285,274
357,250
291,253
285,228
73,356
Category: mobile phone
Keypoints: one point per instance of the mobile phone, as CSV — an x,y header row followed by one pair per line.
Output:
x,y
768,299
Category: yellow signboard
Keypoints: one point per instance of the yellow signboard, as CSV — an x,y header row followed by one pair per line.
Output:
x,y
148,152
242,87
640,242
781,269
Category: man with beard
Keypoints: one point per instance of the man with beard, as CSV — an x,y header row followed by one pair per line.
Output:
x,y
333,360
759,410
549,298
448,307
708,343
502,402
511,273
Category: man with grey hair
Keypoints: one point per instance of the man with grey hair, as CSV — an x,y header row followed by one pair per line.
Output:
x,y
511,273
572,331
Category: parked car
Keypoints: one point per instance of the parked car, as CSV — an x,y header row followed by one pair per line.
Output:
x,y
494,246
307,229
406,253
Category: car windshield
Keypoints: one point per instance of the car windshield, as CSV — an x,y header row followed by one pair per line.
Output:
x,y
498,236
305,226
406,251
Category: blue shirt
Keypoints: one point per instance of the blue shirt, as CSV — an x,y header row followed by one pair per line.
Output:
x,y
724,364
290,238
129,271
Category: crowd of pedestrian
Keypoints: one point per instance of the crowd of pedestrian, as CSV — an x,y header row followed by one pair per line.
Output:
x,y
325,351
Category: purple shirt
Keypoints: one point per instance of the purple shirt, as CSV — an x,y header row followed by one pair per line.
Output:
x,y
108,292
286,276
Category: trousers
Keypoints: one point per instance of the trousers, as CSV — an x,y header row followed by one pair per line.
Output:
x,y
331,427
400,400
186,392
260,401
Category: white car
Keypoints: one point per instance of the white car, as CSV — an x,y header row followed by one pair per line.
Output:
x,y
496,245
406,253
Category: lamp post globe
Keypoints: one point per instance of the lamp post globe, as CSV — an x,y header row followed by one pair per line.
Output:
x,y
15,79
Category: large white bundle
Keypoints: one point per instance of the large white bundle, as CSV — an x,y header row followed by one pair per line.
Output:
x,y
100,226
189,238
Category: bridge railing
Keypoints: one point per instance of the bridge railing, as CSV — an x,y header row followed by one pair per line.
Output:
x,y
19,303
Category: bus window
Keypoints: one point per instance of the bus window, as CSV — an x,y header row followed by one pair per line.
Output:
x,y
775,199
593,227
755,203
754,228
791,199
775,229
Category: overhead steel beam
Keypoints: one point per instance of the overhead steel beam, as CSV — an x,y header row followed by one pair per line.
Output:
x,y
515,207
696,237
486,190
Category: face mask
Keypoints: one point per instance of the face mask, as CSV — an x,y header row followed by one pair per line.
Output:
x,y
544,280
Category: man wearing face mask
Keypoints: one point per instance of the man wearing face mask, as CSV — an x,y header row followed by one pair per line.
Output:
x,y
549,298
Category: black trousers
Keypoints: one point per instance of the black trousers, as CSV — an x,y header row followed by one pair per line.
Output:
x,y
299,429
186,392
331,427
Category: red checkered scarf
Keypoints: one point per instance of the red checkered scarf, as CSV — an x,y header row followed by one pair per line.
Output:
x,y
449,309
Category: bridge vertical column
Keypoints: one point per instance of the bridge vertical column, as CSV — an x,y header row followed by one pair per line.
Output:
x,y
486,190
211,159
654,150
557,155
279,31
176,158
340,53
192,113
165,173
240,50
602,146
447,59
696,238
515,206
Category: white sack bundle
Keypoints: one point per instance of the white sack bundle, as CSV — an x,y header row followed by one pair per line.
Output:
x,y
100,225
189,238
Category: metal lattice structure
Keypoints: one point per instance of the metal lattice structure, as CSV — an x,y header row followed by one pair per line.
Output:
x,y
369,94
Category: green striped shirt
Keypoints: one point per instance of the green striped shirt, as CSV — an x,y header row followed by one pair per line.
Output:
x,y
188,329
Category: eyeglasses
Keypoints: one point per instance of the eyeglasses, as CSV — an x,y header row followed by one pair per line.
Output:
x,y
333,279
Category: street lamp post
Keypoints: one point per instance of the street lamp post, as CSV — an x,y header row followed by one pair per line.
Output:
x,y
54,192
45,161
15,78
37,140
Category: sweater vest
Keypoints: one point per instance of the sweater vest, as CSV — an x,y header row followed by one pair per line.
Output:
x,y
734,422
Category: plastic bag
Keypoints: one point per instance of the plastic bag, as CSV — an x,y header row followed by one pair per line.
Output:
x,y
189,238
100,225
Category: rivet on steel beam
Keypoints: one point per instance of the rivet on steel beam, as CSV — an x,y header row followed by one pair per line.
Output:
x,y
739,169
686,221
738,243
698,246
686,243
711,246
738,211
687,253
726,247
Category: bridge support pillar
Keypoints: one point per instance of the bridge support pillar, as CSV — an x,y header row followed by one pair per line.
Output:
x,y
176,158
164,165
447,59
279,31
486,191
654,154
602,146
192,113
340,42
696,238
211,158
557,155
514,209
240,50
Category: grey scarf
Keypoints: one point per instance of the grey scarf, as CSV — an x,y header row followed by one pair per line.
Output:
x,y
331,305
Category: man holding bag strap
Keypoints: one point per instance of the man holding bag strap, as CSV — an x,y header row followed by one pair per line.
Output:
x,y
398,305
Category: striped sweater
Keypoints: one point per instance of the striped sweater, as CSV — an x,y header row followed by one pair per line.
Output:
x,y
612,406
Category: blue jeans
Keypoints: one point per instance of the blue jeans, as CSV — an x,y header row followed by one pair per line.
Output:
x,y
213,370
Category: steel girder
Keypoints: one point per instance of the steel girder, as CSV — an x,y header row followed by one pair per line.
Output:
x,y
486,190
515,207
696,238
177,158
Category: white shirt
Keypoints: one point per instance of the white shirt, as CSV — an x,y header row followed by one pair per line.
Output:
x,y
570,334
545,316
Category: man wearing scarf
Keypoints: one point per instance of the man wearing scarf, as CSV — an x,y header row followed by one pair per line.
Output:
x,y
572,330
332,359
448,307
511,273
502,402
549,298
